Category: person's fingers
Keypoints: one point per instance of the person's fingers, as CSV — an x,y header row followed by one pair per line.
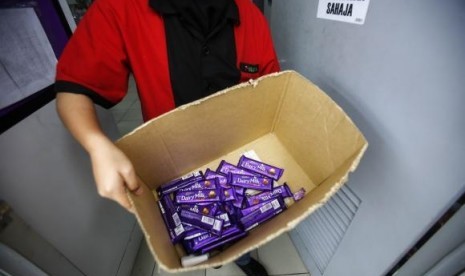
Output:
x,y
121,197
113,188
131,180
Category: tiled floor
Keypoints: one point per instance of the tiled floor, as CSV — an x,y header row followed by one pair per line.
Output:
x,y
278,256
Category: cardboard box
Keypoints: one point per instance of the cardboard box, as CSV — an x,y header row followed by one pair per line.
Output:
x,y
284,118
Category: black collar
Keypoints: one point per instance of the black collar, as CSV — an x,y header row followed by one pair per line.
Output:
x,y
164,7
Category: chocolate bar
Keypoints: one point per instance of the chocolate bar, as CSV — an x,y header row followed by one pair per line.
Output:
x,y
264,213
251,181
229,208
260,167
239,202
225,218
222,242
228,194
200,196
221,178
226,168
239,190
248,210
171,218
201,185
208,238
209,209
180,183
299,194
283,190
188,245
194,233
200,221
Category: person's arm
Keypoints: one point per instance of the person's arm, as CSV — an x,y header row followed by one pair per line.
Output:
x,y
113,171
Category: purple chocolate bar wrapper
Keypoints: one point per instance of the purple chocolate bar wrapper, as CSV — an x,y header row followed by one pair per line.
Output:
x,y
251,181
207,223
260,167
283,190
239,202
172,222
201,185
225,218
263,218
226,168
208,210
165,219
299,194
222,242
170,210
189,228
229,208
228,194
174,185
200,196
239,190
194,233
221,178
188,246
187,177
263,214
248,210
206,239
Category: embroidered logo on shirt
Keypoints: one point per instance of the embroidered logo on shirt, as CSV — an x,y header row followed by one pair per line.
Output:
x,y
249,68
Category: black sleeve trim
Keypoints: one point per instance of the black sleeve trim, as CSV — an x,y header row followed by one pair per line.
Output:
x,y
72,87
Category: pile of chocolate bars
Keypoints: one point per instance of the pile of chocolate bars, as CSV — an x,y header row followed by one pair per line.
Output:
x,y
206,211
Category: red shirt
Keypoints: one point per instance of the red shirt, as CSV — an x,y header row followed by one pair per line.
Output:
x,y
117,37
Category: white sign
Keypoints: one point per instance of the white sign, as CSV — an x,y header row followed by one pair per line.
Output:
x,y
351,11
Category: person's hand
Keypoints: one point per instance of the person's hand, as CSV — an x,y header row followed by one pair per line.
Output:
x,y
113,173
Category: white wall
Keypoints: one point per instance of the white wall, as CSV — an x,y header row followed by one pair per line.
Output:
x,y
401,78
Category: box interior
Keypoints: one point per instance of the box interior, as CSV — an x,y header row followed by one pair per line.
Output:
x,y
284,118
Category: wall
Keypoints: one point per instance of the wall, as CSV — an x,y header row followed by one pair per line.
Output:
x,y
46,178
400,77
443,254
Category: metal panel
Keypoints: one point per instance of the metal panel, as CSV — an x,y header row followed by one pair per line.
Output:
x,y
320,234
